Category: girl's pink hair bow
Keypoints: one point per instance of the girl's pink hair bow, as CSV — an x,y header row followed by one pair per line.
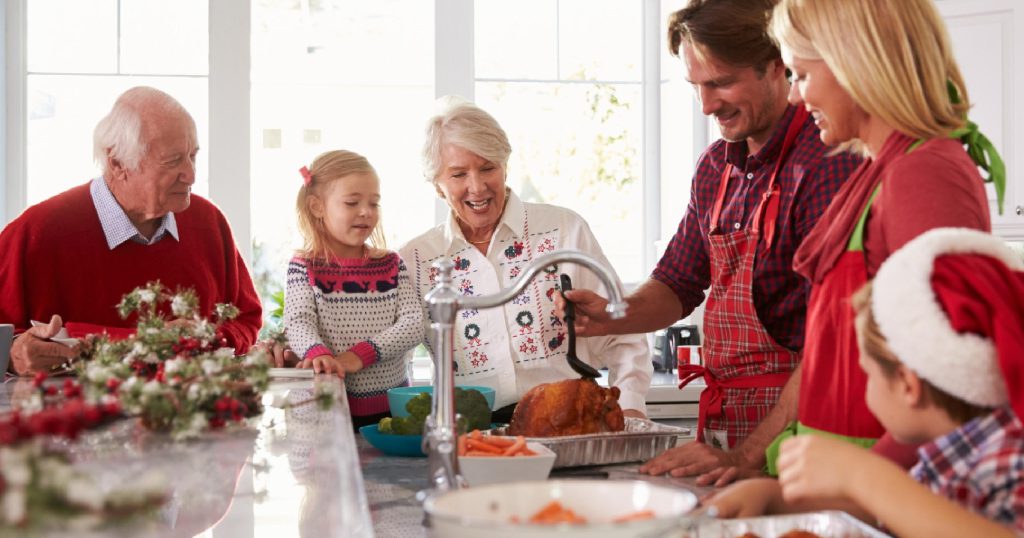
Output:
x,y
307,178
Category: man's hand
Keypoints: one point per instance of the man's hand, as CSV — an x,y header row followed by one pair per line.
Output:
x,y
696,458
591,317
32,351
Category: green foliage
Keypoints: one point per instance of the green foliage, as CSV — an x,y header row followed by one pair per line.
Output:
x,y
474,414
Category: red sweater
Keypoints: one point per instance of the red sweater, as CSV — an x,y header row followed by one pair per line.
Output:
x,y
54,259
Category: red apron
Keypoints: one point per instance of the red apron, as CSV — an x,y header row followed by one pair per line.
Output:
x,y
831,368
745,368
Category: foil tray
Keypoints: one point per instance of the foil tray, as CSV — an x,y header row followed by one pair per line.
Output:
x,y
828,524
640,441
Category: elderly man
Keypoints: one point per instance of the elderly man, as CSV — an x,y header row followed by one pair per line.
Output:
x,y
74,255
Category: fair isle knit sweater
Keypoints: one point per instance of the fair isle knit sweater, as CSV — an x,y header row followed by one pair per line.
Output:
x,y
367,306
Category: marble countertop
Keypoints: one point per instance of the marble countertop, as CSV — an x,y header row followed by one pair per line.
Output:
x,y
299,472
392,484
296,473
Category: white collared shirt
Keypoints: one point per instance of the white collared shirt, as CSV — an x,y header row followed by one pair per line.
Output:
x,y
117,227
521,344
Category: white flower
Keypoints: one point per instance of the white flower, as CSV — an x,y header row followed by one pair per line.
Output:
x,y
16,471
96,373
179,306
210,366
13,505
139,348
82,491
224,352
152,387
194,392
129,384
146,296
173,365
152,330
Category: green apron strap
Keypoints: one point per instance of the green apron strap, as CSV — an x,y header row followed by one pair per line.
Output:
x,y
980,149
856,243
796,428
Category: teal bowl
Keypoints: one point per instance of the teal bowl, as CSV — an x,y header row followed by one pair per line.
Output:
x,y
399,396
393,445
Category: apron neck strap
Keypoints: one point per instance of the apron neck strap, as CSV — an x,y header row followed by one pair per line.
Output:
x,y
770,197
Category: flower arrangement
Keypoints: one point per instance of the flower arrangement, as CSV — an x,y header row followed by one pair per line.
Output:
x,y
37,481
176,374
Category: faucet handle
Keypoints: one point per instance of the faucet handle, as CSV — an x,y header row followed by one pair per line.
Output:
x,y
444,267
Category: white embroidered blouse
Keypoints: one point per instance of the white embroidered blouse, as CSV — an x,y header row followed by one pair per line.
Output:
x,y
521,344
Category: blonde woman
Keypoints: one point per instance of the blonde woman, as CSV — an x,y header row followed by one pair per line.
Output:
x,y
878,76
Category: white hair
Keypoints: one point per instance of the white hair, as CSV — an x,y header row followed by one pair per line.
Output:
x,y
461,123
119,134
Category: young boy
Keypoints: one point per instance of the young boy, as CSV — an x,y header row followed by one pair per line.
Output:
x,y
941,331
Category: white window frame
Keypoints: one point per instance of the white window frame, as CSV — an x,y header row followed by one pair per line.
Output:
x,y
229,107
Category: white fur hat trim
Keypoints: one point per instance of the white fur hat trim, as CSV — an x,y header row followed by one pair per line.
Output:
x,y
917,328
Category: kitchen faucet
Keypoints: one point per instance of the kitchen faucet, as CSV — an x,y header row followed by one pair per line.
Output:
x,y
443,303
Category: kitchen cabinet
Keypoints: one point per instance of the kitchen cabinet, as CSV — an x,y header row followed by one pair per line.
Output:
x,y
989,46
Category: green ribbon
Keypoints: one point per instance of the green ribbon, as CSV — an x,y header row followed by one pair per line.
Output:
x,y
981,151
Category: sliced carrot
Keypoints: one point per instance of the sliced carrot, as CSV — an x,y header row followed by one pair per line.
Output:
x,y
473,444
481,453
503,442
516,447
461,444
635,516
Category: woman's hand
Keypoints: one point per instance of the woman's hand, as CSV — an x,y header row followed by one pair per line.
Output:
x,y
281,356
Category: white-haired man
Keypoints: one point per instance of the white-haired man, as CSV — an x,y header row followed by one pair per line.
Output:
x,y
70,258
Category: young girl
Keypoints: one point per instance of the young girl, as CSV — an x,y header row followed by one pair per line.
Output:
x,y
349,306
941,331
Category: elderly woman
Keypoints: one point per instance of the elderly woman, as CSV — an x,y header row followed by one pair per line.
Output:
x,y
491,235
879,76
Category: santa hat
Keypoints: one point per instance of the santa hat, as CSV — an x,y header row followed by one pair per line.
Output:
x,y
950,304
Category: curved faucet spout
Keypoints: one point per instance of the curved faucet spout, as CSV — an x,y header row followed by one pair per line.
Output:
x,y
616,304
443,303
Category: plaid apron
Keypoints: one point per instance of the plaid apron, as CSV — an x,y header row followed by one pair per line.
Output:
x,y
744,367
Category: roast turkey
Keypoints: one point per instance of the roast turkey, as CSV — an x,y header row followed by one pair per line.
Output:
x,y
570,407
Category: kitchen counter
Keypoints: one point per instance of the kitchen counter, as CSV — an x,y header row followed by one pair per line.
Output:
x,y
296,474
301,472
392,484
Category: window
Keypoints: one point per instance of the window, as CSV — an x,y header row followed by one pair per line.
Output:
x,y
342,74
599,116
117,45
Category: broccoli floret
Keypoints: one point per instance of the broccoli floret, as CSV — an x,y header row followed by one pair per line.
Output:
x,y
473,408
401,426
407,425
419,406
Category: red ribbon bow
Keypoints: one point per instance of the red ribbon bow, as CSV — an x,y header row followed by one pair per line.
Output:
x,y
307,178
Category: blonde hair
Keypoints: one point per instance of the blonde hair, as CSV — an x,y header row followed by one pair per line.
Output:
x,y
326,169
874,346
893,57
468,126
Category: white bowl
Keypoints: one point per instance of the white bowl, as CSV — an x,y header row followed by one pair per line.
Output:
x,y
489,510
482,470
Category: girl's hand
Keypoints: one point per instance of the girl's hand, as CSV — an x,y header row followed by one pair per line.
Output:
x,y
749,498
349,363
324,364
814,466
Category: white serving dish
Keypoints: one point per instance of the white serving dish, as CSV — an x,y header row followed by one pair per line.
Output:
x,y
489,510
483,470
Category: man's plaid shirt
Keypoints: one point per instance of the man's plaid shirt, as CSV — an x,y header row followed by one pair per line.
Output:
x,y
808,180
